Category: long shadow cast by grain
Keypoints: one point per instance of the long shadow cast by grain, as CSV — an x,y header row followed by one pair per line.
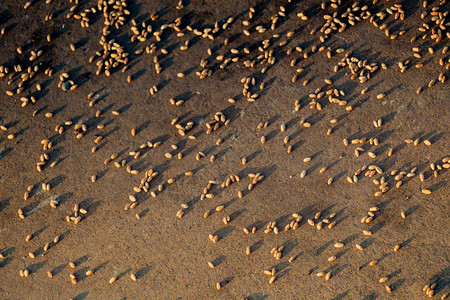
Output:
x,y
224,232
142,272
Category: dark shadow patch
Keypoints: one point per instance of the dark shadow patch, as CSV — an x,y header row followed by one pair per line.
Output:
x,y
257,296
102,173
289,246
237,213
411,210
224,232
38,232
396,272
81,260
323,248
5,151
59,109
406,243
100,266
35,267
397,284
311,170
438,185
219,260
367,242
143,213
341,253
143,126
256,245
142,272
54,182
226,281
81,296
272,134
63,198
124,108
253,155
338,270
56,270
442,280
377,227
123,273
4,203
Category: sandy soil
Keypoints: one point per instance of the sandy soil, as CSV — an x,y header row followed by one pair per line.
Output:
x,y
168,255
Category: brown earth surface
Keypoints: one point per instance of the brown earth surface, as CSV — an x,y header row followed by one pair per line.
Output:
x,y
169,255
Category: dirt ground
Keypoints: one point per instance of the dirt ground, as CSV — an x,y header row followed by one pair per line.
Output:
x,y
168,255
